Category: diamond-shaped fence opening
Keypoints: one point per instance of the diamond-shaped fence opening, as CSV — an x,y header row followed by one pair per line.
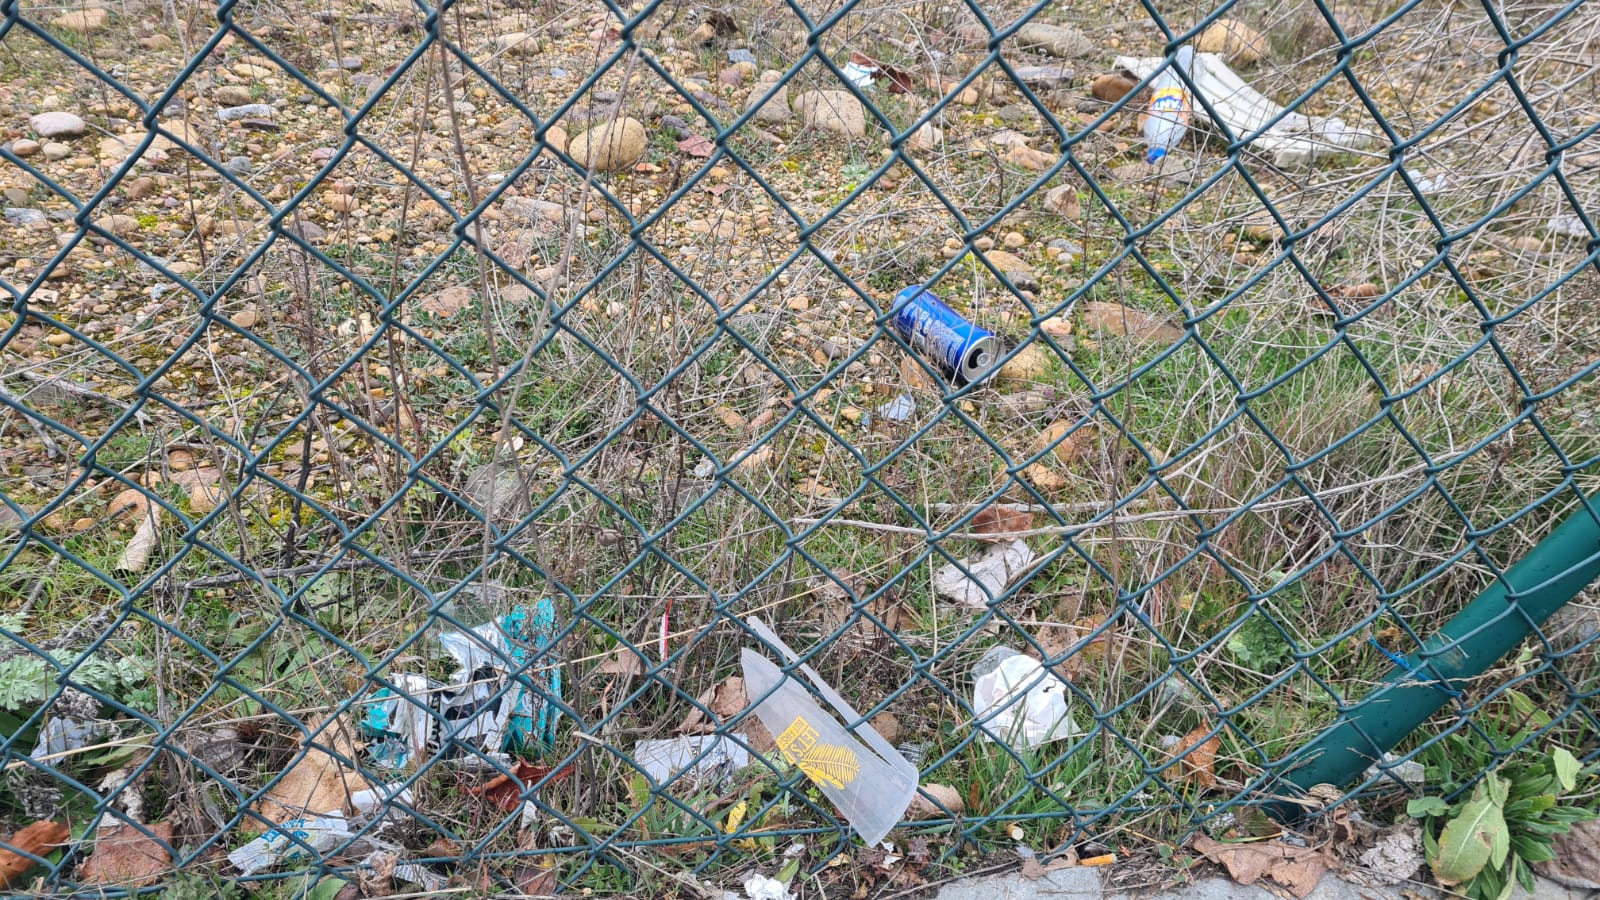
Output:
x,y
408,413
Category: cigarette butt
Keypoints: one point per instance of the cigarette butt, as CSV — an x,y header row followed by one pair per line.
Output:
x,y
1102,860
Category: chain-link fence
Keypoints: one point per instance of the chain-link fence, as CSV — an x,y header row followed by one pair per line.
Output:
x,y
410,413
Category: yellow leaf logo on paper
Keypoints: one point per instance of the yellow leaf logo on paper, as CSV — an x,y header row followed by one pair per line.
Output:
x,y
823,763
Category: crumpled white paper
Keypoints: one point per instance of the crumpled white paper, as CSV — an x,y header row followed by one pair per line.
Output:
x,y
761,887
993,569
1020,701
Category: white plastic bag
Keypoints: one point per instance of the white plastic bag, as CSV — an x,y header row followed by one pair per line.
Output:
x,y
1019,701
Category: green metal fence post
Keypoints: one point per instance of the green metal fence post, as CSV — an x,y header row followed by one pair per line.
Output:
x,y
1498,619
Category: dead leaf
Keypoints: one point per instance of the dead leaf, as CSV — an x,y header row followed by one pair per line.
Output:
x,y
624,663
726,700
886,725
925,805
1137,324
915,377
505,791
1297,869
722,24
318,783
136,555
695,145
1365,290
127,856
447,302
537,877
1000,520
39,839
1034,870
377,874
1200,766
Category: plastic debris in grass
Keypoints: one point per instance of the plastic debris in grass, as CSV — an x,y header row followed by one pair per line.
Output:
x,y
977,582
703,758
74,725
871,787
1018,701
316,835
1290,138
500,699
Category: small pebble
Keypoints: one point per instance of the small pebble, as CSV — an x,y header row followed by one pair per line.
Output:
x,y
1014,239
25,147
239,165
55,150
984,243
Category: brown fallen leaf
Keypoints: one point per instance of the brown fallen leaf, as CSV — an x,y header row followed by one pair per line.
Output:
x,y
128,504
727,699
916,378
505,791
1034,870
1000,520
1137,324
1365,290
622,662
318,783
39,839
925,805
447,302
1068,447
1296,869
696,145
127,856
537,877
1200,766
136,555
887,725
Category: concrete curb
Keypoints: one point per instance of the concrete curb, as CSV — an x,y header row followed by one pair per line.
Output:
x,y
1065,884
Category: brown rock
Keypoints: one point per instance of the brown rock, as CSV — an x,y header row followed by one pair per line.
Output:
x,y
82,21
611,147
1029,158
1063,201
1237,42
1112,87
926,138
836,111
1134,323
773,111
1056,40
120,225
140,187
232,95
24,147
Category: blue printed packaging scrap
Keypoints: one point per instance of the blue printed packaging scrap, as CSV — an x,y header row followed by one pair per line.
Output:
x,y
502,697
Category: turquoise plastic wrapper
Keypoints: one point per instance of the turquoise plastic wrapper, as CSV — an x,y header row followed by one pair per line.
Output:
x,y
872,789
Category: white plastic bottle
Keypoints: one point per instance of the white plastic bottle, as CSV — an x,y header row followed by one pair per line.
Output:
x,y
1170,108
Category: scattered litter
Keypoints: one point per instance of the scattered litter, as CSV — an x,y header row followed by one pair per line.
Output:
x,y
762,887
74,725
915,751
22,215
741,55
991,570
287,842
1433,183
861,77
1017,699
872,789
247,111
666,759
401,722
505,791
1408,771
1295,139
901,408
1567,226
704,468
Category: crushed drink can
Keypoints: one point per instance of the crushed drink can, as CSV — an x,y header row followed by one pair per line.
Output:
x,y
965,352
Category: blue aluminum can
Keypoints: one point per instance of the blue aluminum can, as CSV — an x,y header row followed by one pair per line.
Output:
x,y
965,352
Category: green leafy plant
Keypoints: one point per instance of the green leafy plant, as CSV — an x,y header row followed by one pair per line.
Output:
x,y
1485,844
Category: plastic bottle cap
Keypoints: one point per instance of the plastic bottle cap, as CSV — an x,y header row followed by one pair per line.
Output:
x,y
1155,156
